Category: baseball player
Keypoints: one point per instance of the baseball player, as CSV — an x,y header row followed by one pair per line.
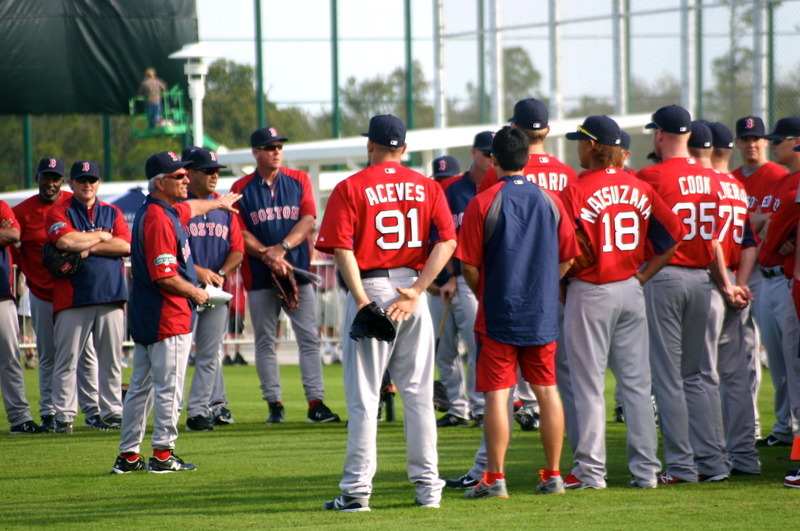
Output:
x,y
763,180
162,308
725,365
459,191
448,358
82,306
277,213
377,224
12,384
678,299
217,251
604,317
32,215
516,222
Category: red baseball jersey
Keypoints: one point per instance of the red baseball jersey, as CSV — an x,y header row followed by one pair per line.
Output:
x,y
692,192
761,185
735,232
32,217
6,271
782,225
388,215
545,170
619,212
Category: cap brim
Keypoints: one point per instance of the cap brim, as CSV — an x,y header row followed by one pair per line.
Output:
x,y
50,170
577,135
651,125
744,135
483,148
72,178
796,148
444,174
208,166
364,134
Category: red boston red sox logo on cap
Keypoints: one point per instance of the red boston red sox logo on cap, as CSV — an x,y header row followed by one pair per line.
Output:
x,y
442,165
273,132
213,156
85,166
52,163
749,123
173,155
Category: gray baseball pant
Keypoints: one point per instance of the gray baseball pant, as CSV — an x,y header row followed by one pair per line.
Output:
x,y
605,326
791,353
448,358
42,317
105,323
208,331
769,311
726,369
677,300
159,371
265,306
409,359
12,383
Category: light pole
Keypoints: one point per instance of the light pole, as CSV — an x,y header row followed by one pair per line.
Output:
x,y
196,69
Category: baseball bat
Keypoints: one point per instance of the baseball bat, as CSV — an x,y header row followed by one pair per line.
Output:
x,y
316,279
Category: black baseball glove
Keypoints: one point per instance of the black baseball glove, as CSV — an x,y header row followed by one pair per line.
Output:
x,y
286,288
372,321
60,263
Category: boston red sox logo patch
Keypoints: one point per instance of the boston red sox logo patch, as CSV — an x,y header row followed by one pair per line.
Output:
x,y
442,165
749,123
85,166
52,163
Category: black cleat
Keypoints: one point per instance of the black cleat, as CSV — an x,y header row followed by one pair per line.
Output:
x,y
464,482
347,504
321,413
275,413
28,426
48,422
527,418
477,421
63,427
449,420
769,441
199,423
93,422
239,359
173,463
123,466
111,424
222,415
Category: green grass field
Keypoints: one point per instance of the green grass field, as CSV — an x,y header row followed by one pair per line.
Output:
x,y
251,475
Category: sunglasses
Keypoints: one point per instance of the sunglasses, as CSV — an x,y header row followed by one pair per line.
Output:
x,y
583,130
779,141
272,147
487,154
175,176
83,179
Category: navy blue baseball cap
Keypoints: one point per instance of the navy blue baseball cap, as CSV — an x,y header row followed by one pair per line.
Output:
x,y
789,126
721,135
671,119
163,163
51,165
84,168
625,140
386,130
187,150
530,113
265,135
701,136
446,166
202,158
750,126
600,128
483,141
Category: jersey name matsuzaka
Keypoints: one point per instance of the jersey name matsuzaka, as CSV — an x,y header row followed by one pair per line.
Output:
x,y
208,229
694,184
731,190
393,192
274,213
614,195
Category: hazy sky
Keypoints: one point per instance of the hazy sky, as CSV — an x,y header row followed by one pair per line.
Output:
x,y
297,52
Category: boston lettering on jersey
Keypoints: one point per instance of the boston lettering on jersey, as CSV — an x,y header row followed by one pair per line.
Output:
x,y
275,213
208,229
615,195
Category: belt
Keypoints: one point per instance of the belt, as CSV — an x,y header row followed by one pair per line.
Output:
x,y
398,272
769,272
